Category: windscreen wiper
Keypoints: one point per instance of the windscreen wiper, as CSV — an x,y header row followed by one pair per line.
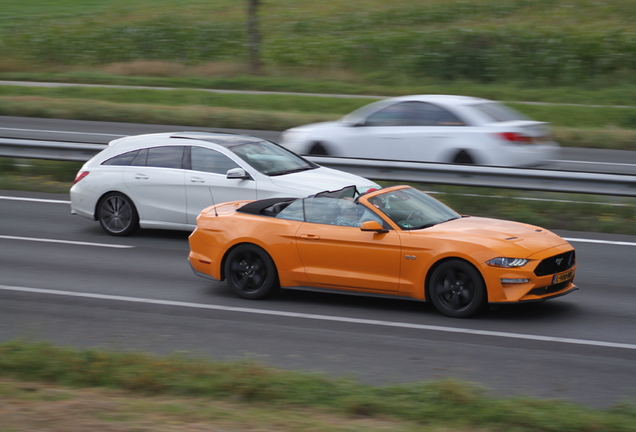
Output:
x,y
291,171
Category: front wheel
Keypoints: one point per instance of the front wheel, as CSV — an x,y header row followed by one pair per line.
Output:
x,y
117,214
318,149
457,289
250,272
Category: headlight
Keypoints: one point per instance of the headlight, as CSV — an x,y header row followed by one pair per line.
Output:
x,y
507,262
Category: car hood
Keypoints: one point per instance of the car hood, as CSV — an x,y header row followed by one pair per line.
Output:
x,y
313,127
510,239
322,179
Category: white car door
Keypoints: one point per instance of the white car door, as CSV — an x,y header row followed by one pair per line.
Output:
x,y
207,183
156,183
410,131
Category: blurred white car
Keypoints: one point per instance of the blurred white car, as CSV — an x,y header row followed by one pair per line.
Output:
x,y
430,128
165,180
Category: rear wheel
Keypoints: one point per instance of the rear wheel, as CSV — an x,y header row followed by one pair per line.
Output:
x,y
250,272
117,214
463,157
456,289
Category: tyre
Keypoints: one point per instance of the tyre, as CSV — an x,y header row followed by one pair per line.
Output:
x,y
318,149
456,289
250,272
463,157
117,214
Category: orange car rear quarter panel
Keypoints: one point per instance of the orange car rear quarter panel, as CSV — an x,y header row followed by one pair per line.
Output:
x,y
217,235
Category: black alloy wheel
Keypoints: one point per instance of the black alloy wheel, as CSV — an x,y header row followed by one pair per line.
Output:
x,y
117,214
457,289
250,272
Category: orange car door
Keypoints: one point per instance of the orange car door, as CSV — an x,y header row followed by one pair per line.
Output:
x,y
345,256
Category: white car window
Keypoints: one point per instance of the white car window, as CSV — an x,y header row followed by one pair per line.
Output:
x,y
499,112
413,113
271,159
121,160
165,157
212,161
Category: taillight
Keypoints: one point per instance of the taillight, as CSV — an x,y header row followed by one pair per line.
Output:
x,y
516,137
80,175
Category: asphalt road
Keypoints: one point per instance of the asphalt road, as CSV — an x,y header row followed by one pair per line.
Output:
x,y
570,159
63,280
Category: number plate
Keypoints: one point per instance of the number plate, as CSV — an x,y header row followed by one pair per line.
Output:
x,y
562,277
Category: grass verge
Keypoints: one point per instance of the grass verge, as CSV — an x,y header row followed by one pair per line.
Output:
x,y
439,405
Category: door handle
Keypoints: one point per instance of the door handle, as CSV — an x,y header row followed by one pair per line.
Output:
x,y
141,176
196,180
310,237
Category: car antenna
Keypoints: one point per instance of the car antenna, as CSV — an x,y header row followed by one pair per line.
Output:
x,y
213,205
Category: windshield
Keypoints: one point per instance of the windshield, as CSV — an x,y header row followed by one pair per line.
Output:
x,y
412,209
271,159
360,114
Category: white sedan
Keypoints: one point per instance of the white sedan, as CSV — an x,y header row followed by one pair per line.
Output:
x,y
165,180
430,128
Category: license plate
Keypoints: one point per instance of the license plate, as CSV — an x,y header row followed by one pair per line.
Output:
x,y
562,277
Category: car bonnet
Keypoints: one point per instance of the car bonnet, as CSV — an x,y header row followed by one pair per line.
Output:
x,y
321,179
508,238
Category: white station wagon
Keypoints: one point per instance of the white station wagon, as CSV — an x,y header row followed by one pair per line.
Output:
x,y
165,180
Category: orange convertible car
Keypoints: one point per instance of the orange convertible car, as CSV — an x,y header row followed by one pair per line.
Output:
x,y
397,242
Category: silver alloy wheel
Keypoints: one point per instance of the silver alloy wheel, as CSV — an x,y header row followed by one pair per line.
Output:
x,y
118,215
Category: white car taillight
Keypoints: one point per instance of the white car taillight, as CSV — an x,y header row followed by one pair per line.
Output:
x,y
516,137
80,175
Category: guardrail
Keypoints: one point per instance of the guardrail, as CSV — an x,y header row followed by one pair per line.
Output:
x,y
400,171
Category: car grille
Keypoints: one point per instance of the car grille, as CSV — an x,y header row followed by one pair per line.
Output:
x,y
556,264
549,289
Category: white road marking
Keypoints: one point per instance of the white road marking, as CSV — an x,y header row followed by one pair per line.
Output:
x,y
42,200
608,242
77,243
326,318
533,199
595,163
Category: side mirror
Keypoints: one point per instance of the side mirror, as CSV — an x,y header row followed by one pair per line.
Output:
x,y
372,226
237,173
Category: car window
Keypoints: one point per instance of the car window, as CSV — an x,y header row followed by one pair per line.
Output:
x,y
498,112
294,211
271,159
321,210
212,161
413,209
140,158
333,211
413,113
165,157
122,159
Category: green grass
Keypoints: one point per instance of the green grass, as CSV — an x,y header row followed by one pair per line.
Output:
x,y
488,41
559,115
448,404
